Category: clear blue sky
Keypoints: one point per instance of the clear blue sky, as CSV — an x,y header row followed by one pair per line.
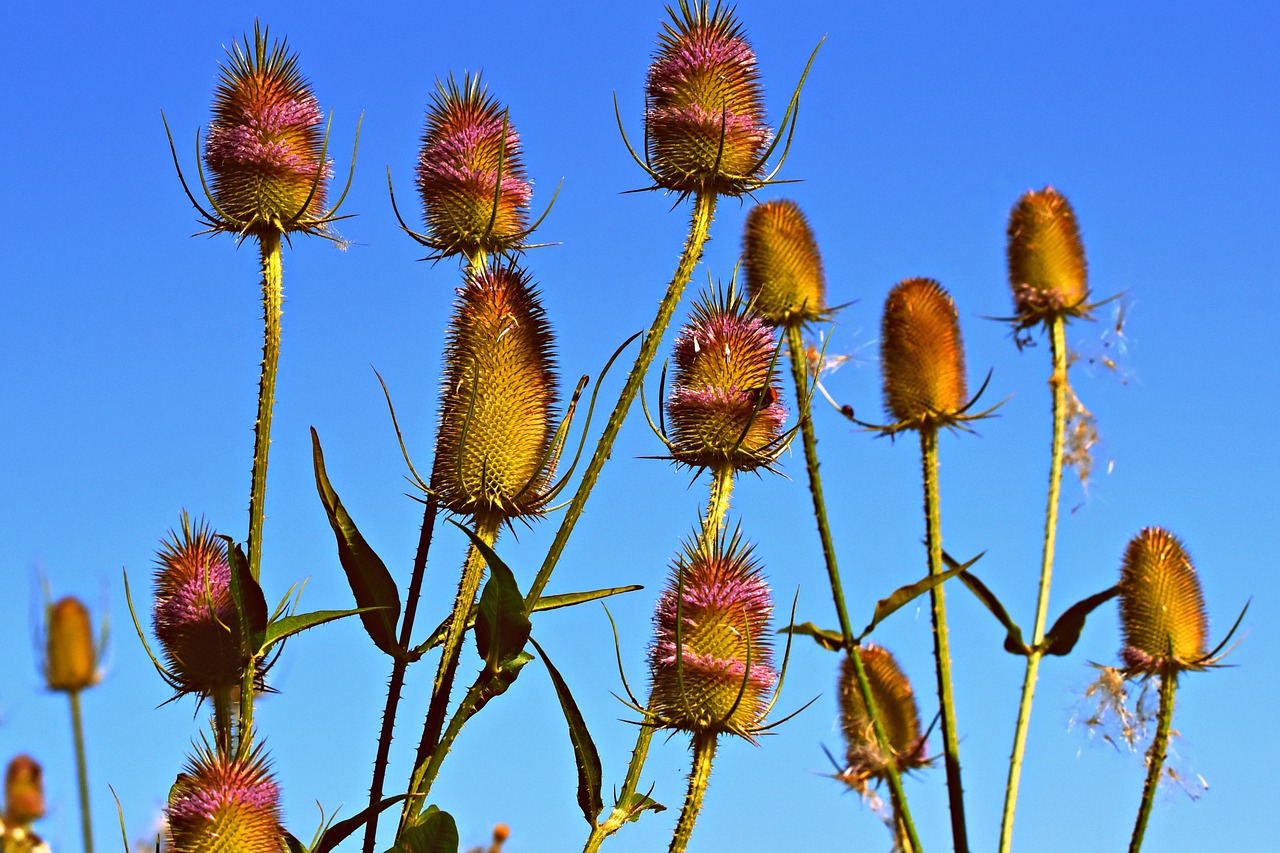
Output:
x,y
130,355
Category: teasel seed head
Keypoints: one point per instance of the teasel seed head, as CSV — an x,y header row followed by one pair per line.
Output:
x,y
23,793
495,450
475,196
221,804
711,659
725,405
194,615
1047,269
896,702
704,123
266,142
71,656
782,265
1162,612
921,355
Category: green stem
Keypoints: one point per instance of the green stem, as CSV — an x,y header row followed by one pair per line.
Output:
x,y
704,750
487,527
272,309
700,226
1155,757
82,770
222,727
1058,387
622,812
800,378
717,505
941,643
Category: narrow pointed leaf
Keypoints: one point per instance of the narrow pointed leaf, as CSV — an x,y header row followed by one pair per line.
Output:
x,y
246,594
338,832
289,625
433,831
502,628
584,749
637,804
832,641
1013,641
293,844
1065,633
370,582
904,595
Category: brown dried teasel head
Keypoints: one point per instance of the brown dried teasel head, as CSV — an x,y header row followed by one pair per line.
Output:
x,y
865,761
71,654
782,266
23,794
1162,612
1047,269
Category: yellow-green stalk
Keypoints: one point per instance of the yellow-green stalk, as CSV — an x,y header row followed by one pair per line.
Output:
x,y
922,359
1049,280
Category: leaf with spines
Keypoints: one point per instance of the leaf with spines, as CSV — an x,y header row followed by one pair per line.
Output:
x,y
584,749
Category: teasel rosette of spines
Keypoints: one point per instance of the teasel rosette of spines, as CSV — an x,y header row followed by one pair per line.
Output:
x,y
225,804
1048,276
470,174
711,661
925,388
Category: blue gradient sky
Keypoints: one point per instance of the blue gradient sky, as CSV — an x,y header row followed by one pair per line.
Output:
x,y
130,356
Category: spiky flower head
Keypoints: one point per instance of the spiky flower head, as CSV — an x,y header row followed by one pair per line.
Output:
x,y
23,792
495,450
194,615
1162,613
725,406
1047,270
71,657
475,196
896,702
225,804
782,265
266,142
711,661
921,355
704,123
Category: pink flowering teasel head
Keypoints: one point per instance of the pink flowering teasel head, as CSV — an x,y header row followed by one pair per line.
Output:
x,y
711,659
470,174
725,405
224,803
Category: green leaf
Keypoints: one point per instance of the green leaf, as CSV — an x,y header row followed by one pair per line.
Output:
x,y
1065,633
637,804
1013,642
286,627
546,602
904,595
293,844
336,834
433,831
832,641
584,750
495,684
502,628
246,594
371,583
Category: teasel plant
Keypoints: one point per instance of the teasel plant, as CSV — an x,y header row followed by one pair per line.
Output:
x,y
268,173
787,287
222,802
23,805
71,664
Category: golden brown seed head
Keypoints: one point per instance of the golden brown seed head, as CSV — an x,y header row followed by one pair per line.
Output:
x,y
896,702
921,354
782,265
1162,613
23,793
71,664
493,452
1047,270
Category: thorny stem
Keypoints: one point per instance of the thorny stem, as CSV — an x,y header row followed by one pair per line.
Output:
x,y
82,771
903,822
623,812
398,668
941,643
272,308
717,505
222,719
704,750
700,226
1155,757
1058,387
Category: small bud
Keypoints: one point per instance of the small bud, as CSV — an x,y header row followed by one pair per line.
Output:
x,y
71,664
725,404
266,141
1162,611
896,702
494,446
712,673
921,354
782,265
1047,269
23,792
194,614
220,804
705,121
468,148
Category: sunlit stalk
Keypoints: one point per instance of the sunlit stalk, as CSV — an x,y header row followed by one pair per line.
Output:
x,y
272,309
1155,757
704,750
